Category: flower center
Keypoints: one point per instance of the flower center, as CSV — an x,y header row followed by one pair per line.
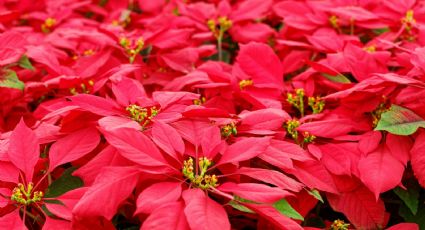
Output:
x,y
142,115
339,225
245,83
228,130
48,24
409,20
297,100
220,26
132,48
26,196
201,179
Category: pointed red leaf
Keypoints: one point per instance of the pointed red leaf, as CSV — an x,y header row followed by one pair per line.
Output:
x,y
54,224
110,189
360,207
245,149
135,146
255,192
168,139
9,172
24,150
95,104
380,171
314,175
261,63
73,146
166,216
272,215
404,226
272,177
12,221
69,200
157,195
203,212
418,158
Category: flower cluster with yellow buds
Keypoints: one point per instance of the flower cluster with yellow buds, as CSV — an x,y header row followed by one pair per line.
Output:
x,y
142,115
297,100
228,130
26,196
132,48
199,179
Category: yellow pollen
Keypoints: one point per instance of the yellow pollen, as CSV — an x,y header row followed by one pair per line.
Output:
x,y
370,49
88,52
142,115
200,180
48,24
334,21
26,196
244,83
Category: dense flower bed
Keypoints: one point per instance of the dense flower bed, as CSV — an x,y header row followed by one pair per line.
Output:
x,y
215,115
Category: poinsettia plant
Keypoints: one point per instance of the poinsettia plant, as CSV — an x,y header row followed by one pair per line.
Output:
x,y
213,114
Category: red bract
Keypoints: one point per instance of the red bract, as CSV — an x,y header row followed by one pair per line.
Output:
x,y
218,114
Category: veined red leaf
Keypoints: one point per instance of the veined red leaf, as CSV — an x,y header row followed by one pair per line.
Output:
x,y
272,177
24,150
204,213
9,172
168,216
157,195
360,207
112,186
68,202
404,226
135,146
272,215
73,146
168,139
261,63
380,171
314,175
12,221
53,224
418,158
95,104
210,141
260,193
244,150
251,9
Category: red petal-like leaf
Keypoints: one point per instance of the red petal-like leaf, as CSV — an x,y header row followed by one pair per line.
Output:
x,y
110,189
204,213
168,139
12,221
24,150
272,215
418,158
272,177
135,146
380,171
360,207
73,146
157,195
256,192
244,150
261,63
168,216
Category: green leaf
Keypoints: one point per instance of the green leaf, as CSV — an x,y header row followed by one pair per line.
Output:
x,y
63,184
286,209
316,194
11,80
400,121
407,215
409,197
239,207
340,78
381,30
25,63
